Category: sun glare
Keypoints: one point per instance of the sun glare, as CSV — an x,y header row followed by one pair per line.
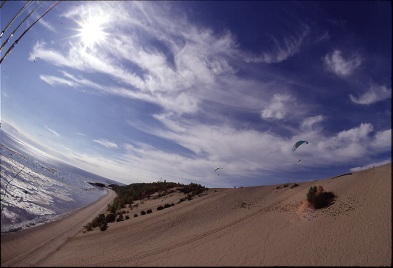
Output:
x,y
92,31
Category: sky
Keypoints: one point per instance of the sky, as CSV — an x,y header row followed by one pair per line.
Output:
x,y
143,91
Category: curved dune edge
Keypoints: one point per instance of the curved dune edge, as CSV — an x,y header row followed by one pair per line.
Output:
x,y
252,226
28,247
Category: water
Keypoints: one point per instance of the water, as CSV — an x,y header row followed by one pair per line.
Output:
x,y
36,188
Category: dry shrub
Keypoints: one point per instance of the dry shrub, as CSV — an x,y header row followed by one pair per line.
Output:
x,y
319,190
318,198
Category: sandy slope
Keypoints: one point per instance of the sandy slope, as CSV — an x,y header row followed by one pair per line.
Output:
x,y
256,226
28,247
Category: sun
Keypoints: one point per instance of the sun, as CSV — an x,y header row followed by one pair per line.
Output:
x,y
92,31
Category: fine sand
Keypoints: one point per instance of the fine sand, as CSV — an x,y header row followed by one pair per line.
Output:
x,y
251,226
28,247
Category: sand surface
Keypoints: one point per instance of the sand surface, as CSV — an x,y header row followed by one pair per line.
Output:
x,y
28,247
251,226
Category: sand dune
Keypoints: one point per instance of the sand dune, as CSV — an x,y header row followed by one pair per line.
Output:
x,y
252,226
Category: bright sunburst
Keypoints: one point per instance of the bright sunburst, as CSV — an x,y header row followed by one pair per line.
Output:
x,y
92,31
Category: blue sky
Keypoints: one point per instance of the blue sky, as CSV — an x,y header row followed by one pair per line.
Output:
x,y
141,91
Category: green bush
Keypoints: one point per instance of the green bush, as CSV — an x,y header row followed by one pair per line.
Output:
x,y
120,218
103,226
127,217
149,211
112,208
110,217
89,227
135,215
143,212
311,195
100,219
160,207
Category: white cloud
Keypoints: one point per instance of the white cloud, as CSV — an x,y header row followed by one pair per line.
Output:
x,y
280,106
52,131
184,70
308,123
372,95
382,140
184,66
106,143
289,46
336,63
46,25
356,134
53,81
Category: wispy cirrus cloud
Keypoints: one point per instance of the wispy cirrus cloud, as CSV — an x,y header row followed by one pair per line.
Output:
x,y
372,95
54,80
181,68
283,49
336,63
106,143
52,131
47,25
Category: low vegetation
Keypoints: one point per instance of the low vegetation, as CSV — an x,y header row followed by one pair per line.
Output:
x,y
126,195
161,207
99,221
318,198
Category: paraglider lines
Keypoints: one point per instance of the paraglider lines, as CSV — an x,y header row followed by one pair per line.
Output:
x,y
15,17
17,40
12,34
2,3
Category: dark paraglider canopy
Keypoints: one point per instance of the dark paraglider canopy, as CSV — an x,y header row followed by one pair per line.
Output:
x,y
297,144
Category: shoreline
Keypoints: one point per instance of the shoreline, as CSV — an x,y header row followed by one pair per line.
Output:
x,y
45,219
30,246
